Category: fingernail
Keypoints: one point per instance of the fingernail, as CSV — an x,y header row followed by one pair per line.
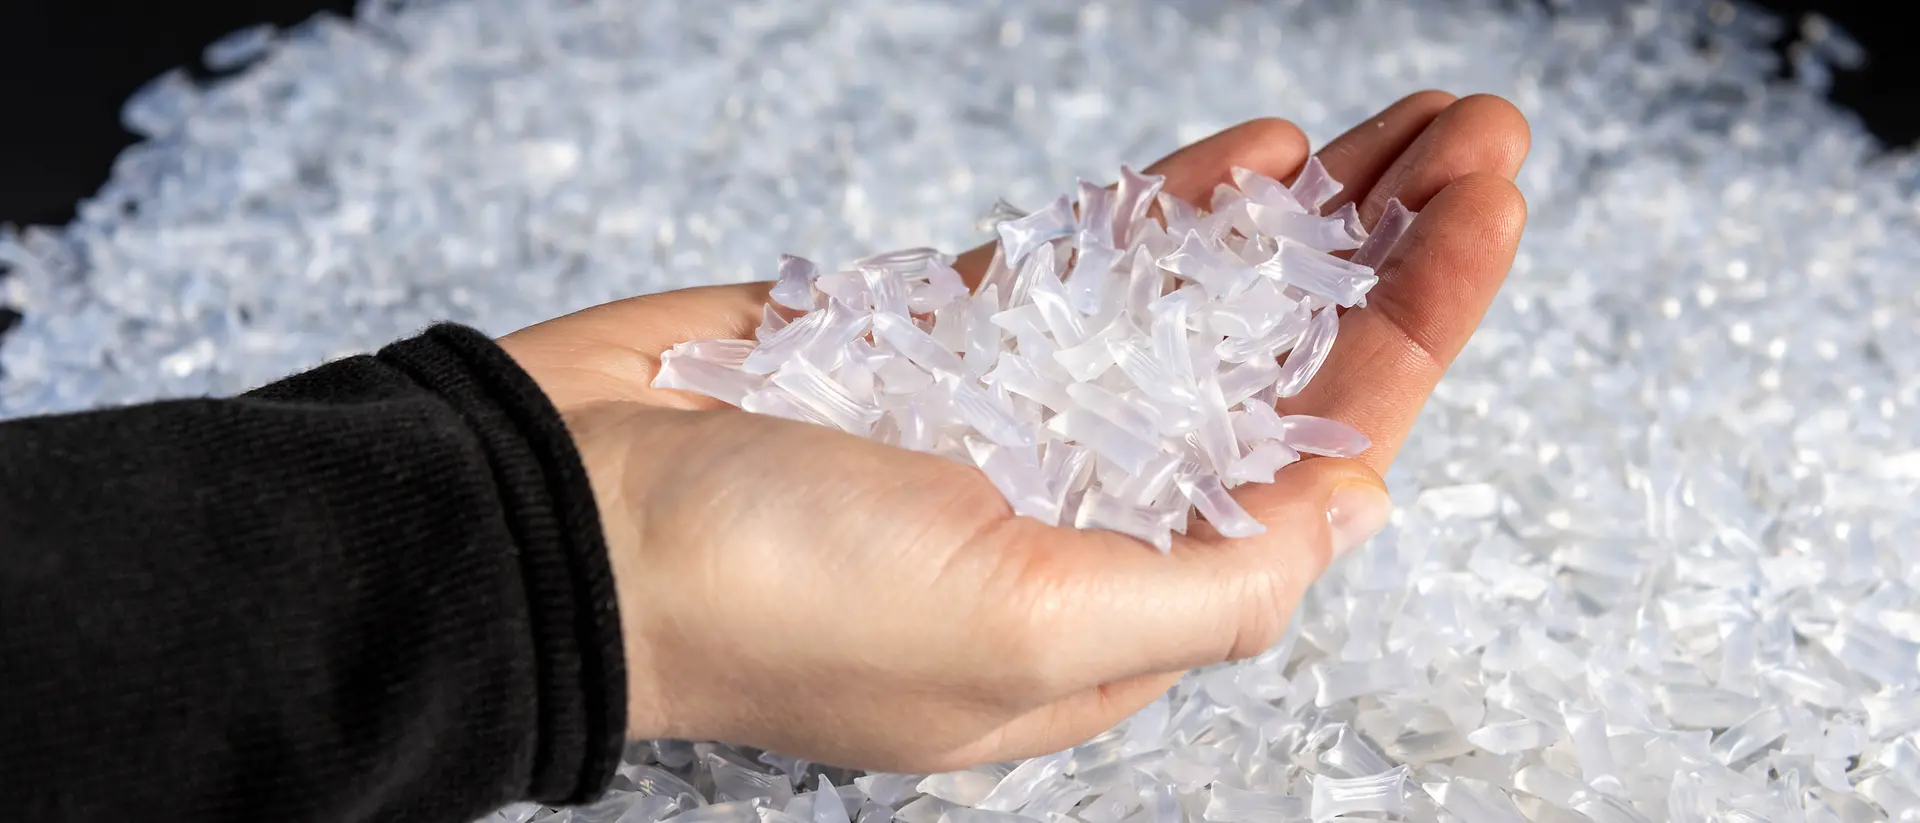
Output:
x,y
1356,513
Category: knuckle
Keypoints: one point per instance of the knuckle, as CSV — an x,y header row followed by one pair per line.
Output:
x,y
1495,199
1268,599
1022,653
1259,628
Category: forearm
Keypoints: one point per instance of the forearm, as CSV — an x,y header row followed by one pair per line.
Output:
x,y
378,588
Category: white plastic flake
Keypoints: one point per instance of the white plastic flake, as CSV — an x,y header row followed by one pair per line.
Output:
x,y
1659,514
1346,752
1382,793
965,788
1226,804
1309,352
1318,435
1475,800
1512,736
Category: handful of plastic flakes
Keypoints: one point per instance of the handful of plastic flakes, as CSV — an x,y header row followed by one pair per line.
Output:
x,y
1111,371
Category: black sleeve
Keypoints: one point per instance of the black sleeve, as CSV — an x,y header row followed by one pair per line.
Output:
x,y
374,591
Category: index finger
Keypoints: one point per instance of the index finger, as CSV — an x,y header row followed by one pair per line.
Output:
x,y
1439,279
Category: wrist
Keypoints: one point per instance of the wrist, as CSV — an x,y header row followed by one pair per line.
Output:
x,y
554,549
612,440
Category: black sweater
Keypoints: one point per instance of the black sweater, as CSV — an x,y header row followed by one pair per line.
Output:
x,y
374,591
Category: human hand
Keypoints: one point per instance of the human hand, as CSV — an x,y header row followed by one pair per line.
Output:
x,y
800,589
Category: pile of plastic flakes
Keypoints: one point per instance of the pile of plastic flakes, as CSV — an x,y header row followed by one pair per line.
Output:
x,y
1655,557
1086,390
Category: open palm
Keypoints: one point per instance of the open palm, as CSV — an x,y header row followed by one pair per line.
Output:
x,y
794,587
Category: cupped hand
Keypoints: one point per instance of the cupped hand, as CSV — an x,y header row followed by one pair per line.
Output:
x,y
800,589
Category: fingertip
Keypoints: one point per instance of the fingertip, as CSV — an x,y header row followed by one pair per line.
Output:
x,y
1267,133
1425,100
1355,513
1308,481
1502,125
1480,132
1272,146
1301,493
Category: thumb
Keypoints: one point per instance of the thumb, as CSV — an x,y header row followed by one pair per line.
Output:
x,y
1139,612
1355,500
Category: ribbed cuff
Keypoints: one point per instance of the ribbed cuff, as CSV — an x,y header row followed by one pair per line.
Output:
x,y
572,607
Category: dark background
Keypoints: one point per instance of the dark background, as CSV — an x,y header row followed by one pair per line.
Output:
x,y
68,65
